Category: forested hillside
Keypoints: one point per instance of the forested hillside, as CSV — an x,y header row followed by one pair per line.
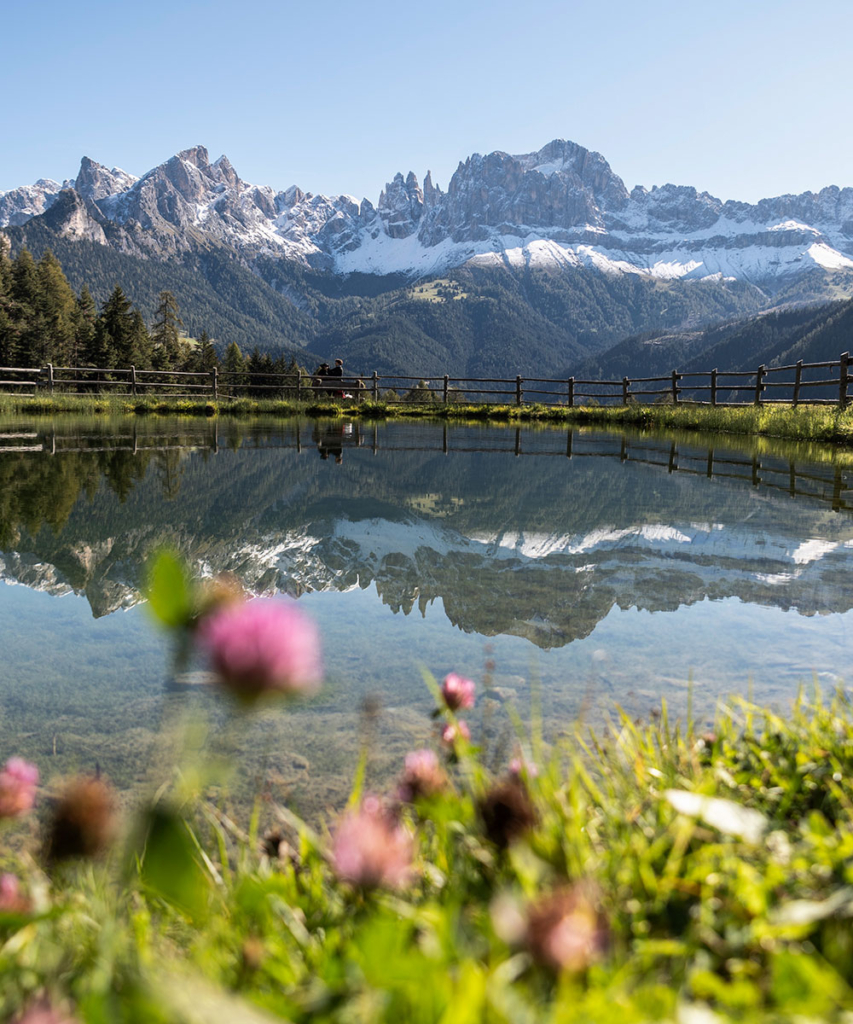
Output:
x,y
476,321
813,333
43,321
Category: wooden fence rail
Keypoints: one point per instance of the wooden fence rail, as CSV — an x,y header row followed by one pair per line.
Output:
x,y
794,384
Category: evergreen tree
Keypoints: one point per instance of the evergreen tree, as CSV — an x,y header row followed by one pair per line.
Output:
x,y
58,309
166,334
116,328
101,350
206,357
31,331
8,322
84,327
234,365
140,342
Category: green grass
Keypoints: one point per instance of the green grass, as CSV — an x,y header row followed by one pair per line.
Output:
x,y
808,423
740,905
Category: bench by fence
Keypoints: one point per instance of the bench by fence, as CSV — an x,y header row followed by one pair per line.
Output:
x,y
800,383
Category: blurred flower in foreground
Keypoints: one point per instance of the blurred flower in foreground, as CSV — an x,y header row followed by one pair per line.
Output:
x,y
371,849
43,1012
453,732
422,776
565,931
218,592
11,899
83,822
262,646
458,692
18,782
521,766
507,812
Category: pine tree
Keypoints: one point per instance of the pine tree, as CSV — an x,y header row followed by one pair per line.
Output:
x,y
57,308
31,332
206,357
116,328
8,322
166,334
140,349
234,365
84,329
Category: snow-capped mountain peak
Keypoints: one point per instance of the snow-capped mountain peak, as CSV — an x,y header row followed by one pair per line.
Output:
x,y
561,206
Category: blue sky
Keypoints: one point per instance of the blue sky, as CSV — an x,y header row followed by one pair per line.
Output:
x,y
744,99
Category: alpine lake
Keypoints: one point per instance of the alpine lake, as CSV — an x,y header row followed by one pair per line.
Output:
x,y
571,573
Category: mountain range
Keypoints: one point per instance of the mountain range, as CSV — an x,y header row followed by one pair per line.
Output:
x,y
526,263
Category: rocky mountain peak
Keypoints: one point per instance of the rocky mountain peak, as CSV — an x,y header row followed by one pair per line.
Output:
x,y
94,181
197,156
400,206
74,216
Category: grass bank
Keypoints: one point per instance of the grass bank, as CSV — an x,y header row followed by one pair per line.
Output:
x,y
805,423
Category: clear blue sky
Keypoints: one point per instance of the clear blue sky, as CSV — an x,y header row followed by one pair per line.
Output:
x,y
744,98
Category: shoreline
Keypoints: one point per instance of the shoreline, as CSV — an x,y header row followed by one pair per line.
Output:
x,y
804,422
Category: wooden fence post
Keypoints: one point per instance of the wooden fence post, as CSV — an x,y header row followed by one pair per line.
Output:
x,y
50,377
842,383
298,385
519,394
571,392
214,383
675,387
375,387
798,376
760,374
133,380
625,383
445,389
714,386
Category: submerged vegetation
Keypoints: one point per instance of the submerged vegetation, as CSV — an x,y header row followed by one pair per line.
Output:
x,y
658,871
804,422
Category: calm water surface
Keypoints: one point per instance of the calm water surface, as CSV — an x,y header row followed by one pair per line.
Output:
x,y
590,569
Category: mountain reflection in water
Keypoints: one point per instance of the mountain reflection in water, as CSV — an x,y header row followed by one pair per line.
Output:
x,y
532,533
545,550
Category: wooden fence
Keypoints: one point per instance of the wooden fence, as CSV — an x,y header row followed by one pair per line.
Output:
x,y
800,383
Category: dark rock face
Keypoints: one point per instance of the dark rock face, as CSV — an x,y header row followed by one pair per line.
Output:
x,y
561,186
400,206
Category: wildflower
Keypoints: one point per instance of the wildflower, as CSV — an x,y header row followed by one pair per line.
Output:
x,y
221,591
458,693
422,776
262,646
18,782
83,821
275,846
11,899
565,931
507,813
371,849
453,732
43,1012
521,766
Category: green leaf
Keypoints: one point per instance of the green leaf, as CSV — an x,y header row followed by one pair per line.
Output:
x,y
169,591
170,866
